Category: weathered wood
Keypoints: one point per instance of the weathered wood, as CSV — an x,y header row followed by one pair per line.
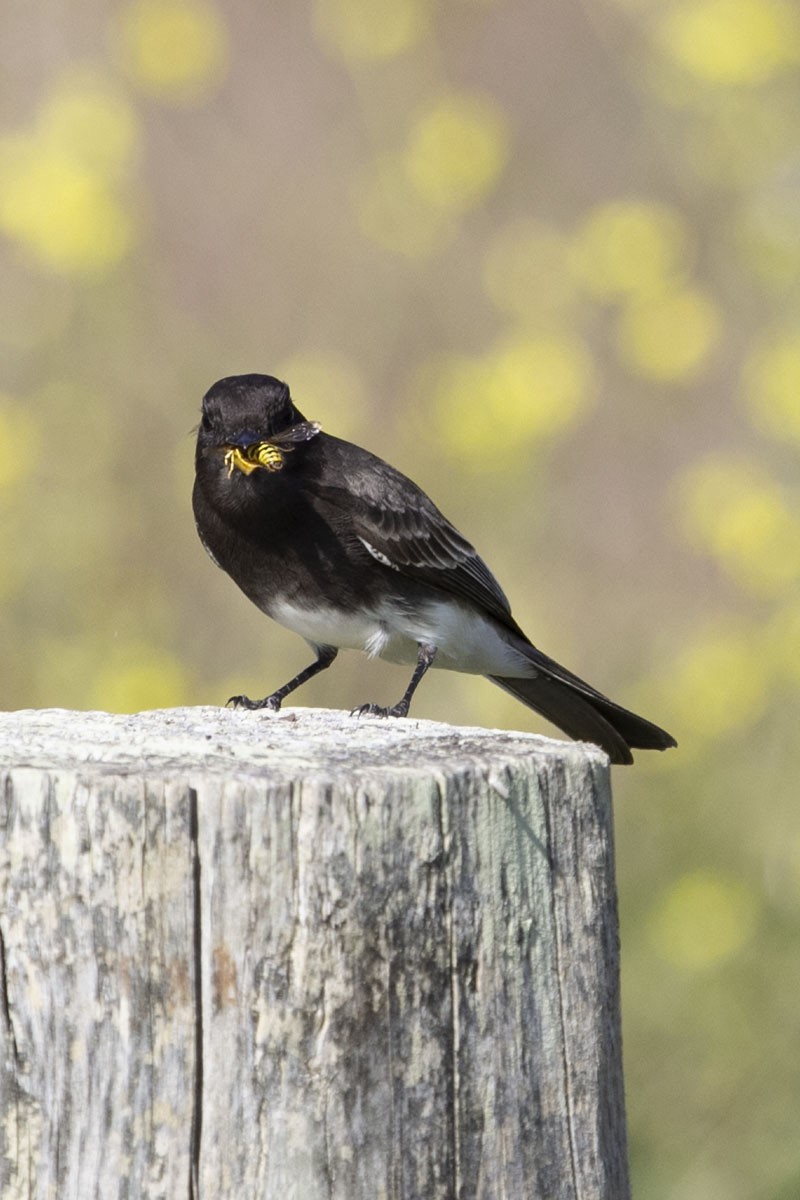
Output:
x,y
299,955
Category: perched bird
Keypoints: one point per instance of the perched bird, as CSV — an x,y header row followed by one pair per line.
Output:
x,y
338,546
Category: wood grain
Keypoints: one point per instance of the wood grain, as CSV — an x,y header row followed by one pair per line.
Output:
x,y
300,955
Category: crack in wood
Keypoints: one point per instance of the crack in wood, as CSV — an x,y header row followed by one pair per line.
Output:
x,y
5,1000
197,949
558,952
452,953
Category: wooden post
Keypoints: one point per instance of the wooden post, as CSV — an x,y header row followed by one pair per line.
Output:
x,y
302,955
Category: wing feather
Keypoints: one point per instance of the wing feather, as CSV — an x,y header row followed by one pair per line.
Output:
x,y
394,520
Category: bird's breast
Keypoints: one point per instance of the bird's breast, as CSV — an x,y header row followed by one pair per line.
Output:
x,y
465,640
327,625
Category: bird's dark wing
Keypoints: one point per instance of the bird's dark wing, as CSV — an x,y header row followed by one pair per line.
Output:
x,y
400,527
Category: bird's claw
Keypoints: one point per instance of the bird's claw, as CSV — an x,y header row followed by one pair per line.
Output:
x,y
269,702
376,710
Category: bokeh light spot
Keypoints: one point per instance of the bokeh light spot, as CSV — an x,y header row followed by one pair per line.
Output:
x,y
60,209
173,50
669,336
527,271
457,150
716,686
772,382
542,383
629,247
58,181
371,29
702,920
494,409
733,41
735,512
88,120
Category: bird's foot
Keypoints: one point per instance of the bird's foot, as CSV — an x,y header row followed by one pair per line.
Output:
x,y
375,710
272,703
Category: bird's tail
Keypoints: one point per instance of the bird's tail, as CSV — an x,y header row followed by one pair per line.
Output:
x,y
583,713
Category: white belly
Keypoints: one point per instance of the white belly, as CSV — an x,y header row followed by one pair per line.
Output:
x,y
464,640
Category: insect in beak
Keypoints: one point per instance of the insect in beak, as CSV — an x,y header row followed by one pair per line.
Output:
x,y
269,455
249,458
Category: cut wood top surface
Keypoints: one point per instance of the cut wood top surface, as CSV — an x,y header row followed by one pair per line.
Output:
x,y
217,740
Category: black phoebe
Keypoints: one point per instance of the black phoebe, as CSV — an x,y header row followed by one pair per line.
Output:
x,y
338,546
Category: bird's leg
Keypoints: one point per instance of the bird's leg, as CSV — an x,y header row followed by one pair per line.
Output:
x,y
325,656
425,657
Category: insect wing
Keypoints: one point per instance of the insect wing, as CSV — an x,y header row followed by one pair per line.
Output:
x,y
296,434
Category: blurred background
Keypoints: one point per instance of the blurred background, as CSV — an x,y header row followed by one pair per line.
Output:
x,y
546,259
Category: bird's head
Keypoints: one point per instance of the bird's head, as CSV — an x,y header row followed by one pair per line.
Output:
x,y
251,423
